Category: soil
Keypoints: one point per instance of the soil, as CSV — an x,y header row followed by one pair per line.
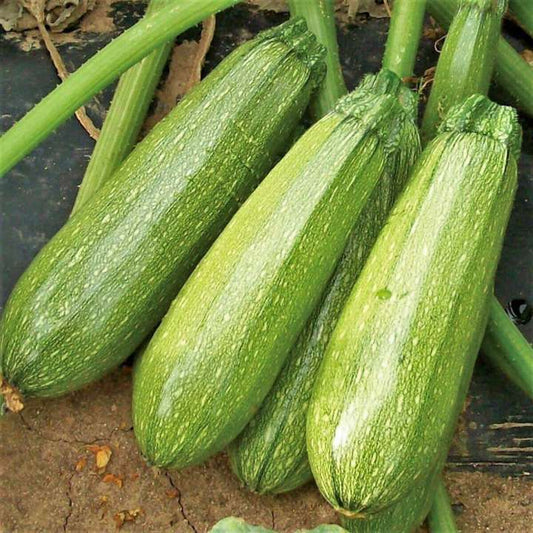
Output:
x,y
51,481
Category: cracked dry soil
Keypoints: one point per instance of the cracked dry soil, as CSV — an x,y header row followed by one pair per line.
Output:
x,y
50,481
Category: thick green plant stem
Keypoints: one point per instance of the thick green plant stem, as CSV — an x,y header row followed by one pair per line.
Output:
x,y
441,518
320,18
467,60
507,349
404,35
125,116
99,71
511,71
522,10
515,76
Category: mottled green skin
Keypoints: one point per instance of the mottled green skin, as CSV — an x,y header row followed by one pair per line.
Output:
x,y
384,407
270,455
221,345
403,516
467,59
106,279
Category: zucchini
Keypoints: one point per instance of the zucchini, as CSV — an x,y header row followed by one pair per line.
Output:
x,y
270,454
467,60
387,397
107,278
220,347
403,516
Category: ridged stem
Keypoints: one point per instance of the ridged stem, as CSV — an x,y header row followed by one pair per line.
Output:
x,y
467,60
511,71
508,350
404,35
522,10
99,71
320,18
441,518
125,117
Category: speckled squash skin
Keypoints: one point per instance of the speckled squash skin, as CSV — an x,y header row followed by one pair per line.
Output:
x,y
218,350
270,455
403,516
384,407
109,275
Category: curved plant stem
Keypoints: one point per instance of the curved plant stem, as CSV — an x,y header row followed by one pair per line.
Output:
x,y
320,18
511,72
96,73
404,35
124,118
515,76
441,518
507,349
522,10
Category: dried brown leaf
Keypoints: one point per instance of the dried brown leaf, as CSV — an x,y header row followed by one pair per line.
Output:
x,y
184,71
80,465
12,397
528,56
346,9
433,31
279,6
122,517
10,13
111,478
206,38
172,493
56,14
102,454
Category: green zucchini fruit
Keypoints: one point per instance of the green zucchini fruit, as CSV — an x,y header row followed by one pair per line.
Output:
x,y
220,347
270,454
385,403
403,516
467,59
109,275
